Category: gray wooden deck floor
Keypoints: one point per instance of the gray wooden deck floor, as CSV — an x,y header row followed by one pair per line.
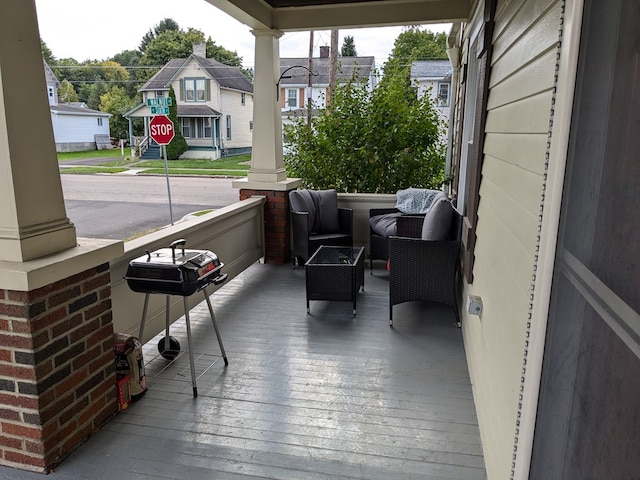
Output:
x,y
320,396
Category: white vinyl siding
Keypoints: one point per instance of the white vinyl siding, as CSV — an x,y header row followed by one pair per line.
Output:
x,y
515,142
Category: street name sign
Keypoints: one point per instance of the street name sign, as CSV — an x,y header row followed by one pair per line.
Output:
x,y
159,110
159,102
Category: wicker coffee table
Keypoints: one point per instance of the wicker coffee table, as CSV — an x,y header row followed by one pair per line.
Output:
x,y
335,273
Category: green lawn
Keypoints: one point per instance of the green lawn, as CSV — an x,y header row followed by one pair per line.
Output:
x,y
112,153
236,166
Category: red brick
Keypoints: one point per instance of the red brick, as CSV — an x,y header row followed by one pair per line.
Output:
x,y
105,293
96,282
8,414
96,310
22,373
24,459
20,326
34,447
71,382
19,310
103,363
88,355
74,411
16,341
100,335
66,326
49,319
6,355
84,331
64,296
17,296
20,430
4,324
10,442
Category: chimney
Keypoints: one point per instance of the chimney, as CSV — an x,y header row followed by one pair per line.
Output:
x,y
324,52
200,49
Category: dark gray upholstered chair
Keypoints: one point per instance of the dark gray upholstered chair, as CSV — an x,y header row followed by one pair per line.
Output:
x,y
383,222
391,221
316,220
422,269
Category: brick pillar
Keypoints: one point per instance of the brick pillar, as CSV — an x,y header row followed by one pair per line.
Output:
x,y
57,375
277,224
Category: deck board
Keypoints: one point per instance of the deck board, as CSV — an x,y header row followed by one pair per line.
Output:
x,y
320,396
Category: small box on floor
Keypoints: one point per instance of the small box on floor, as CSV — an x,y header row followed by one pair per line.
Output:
x,y
124,393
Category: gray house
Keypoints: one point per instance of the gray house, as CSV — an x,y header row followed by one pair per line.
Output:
x,y
76,127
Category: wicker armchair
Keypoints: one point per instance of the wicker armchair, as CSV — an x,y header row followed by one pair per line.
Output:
x,y
406,226
309,233
425,269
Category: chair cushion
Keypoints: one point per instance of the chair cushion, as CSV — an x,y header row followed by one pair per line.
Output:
x,y
326,211
384,225
301,201
322,206
415,200
437,221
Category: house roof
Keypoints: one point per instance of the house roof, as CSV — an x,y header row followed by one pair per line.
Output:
x,y
226,76
77,108
431,69
50,77
197,111
363,67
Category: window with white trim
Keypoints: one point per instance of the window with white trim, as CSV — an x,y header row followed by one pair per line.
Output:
x,y
443,94
228,127
292,97
242,98
194,90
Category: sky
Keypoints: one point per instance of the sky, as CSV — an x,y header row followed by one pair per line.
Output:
x,y
83,30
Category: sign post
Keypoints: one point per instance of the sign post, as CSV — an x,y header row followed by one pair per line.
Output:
x,y
161,130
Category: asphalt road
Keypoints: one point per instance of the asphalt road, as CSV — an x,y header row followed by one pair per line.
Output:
x,y
121,206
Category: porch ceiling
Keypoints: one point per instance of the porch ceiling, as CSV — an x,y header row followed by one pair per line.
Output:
x,y
291,15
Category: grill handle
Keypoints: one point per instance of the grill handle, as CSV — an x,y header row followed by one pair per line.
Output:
x,y
174,244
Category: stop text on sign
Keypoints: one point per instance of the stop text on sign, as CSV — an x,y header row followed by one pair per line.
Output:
x,y
161,130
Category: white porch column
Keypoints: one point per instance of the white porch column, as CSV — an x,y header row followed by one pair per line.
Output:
x,y
33,220
267,164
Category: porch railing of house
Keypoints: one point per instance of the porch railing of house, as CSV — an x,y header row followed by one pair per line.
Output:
x,y
235,233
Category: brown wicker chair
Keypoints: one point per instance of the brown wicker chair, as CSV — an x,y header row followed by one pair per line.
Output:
x,y
424,269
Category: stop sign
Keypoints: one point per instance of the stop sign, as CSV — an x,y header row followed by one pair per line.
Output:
x,y
161,129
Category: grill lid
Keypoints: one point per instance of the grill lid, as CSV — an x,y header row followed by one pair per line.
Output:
x,y
164,271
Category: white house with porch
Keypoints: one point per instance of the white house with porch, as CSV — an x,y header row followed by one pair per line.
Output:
x,y
215,104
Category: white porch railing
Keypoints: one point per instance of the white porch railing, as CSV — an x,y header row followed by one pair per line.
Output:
x,y
235,233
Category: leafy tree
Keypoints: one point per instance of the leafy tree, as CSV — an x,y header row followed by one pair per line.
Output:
x,y
415,44
130,60
348,47
377,142
116,102
164,25
47,54
66,92
178,145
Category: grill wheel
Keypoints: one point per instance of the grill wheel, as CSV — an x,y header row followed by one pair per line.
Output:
x,y
173,350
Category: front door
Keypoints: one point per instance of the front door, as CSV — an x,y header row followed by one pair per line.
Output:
x,y
588,423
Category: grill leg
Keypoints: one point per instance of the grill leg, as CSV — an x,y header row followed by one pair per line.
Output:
x,y
144,316
167,316
193,368
215,325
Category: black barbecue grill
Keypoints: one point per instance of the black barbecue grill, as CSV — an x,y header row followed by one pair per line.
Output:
x,y
165,272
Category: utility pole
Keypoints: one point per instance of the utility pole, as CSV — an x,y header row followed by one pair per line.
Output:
x,y
333,60
310,68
